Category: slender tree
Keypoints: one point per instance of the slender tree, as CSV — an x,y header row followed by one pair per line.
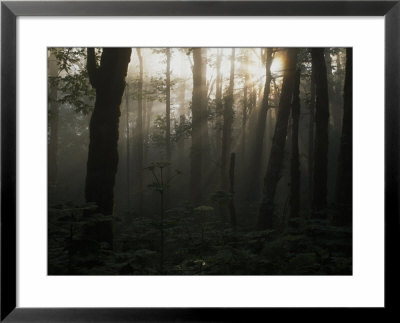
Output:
x,y
53,119
182,121
295,162
149,111
204,117
311,129
245,109
168,104
344,193
196,169
109,81
168,118
218,102
227,127
139,137
128,148
321,134
266,218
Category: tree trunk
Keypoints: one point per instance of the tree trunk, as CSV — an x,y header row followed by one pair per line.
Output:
x,y
168,120
218,103
266,218
53,120
258,141
204,118
149,108
227,127
196,149
344,193
182,121
245,113
128,148
321,134
139,138
311,127
295,162
109,82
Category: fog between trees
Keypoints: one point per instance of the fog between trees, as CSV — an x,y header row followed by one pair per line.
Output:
x,y
200,160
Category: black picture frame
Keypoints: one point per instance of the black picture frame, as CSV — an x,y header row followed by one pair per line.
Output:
x,y
10,10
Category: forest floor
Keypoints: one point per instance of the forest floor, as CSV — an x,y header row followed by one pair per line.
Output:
x,y
195,243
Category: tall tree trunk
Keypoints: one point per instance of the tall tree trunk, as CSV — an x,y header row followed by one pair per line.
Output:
x,y
196,149
334,111
205,149
149,107
139,137
218,102
321,134
168,105
128,148
144,125
182,121
227,127
344,193
109,81
53,121
168,117
295,162
258,140
266,218
311,127
245,112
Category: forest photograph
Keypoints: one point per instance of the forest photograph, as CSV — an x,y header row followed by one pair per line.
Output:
x,y
200,161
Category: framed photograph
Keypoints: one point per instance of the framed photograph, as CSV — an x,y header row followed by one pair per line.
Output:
x,y
197,160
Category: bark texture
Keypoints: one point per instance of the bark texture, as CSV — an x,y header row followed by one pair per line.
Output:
x,y
109,81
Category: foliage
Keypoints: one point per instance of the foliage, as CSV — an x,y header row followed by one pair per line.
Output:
x,y
72,80
197,243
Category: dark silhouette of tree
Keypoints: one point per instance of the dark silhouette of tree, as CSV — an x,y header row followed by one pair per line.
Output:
x,y
218,103
205,150
196,169
168,104
53,119
344,193
128,148
139,137
295,162
321,134
109,81
311,127
266,218
227,127
246,104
